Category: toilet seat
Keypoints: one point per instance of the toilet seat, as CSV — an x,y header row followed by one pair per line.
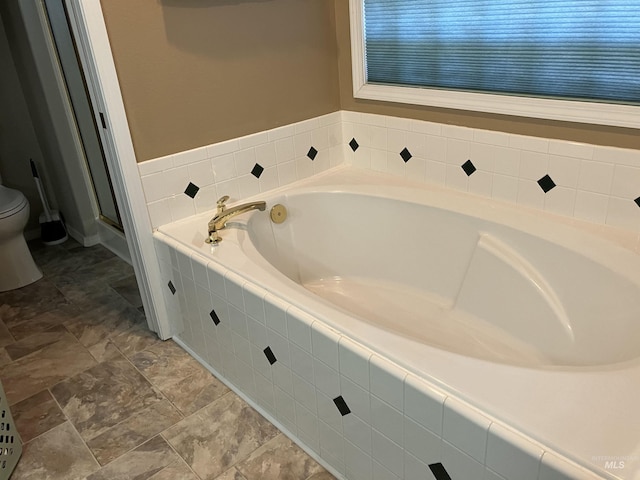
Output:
x,y
11,201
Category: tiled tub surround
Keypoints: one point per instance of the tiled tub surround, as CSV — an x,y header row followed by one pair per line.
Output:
x,y
367,411
594,183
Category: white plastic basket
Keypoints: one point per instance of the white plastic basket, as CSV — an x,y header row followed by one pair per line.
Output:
x,y
10,443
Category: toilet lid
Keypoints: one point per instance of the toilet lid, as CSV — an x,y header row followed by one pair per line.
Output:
x,y
10,201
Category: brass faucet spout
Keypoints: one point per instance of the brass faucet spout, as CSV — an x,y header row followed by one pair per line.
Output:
x,y
219,221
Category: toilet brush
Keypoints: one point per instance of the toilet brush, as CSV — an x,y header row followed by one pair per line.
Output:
x,y
52,229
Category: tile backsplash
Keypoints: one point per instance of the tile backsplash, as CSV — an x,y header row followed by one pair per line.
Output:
x,y
587,182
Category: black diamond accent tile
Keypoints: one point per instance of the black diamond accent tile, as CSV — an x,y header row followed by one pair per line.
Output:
x,y
439,472
312,153
468,167
405,154
214,317
637,200
342,406
257,170
270,356
353,144
192,190
171,287
546,183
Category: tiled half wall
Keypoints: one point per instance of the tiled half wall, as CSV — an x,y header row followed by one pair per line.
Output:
x,y
593,183
363,416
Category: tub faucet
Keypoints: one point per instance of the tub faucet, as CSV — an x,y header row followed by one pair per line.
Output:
x,y
224,214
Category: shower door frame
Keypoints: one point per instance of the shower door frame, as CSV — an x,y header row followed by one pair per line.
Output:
x,y
89,29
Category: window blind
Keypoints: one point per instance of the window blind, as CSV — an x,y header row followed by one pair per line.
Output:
x,y
569,49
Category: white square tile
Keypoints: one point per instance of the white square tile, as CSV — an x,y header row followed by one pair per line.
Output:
x,y
414,469
188,157
560,200
304,393
381,473
230,188
379,160
465,428
206,200
223,148
595,176
571,149
436,148
530,194
287,173
241,348
623,213
460,465
481,183
395,165
257,333
421,442
269,179
504,188
357,431
285,151
281,132
458,152
491,475
248,186
260,363
282,377
454,131
436,172
325,344
484,156
233,289
307,422
328,412
512,456
358,399
332,443
591,206
159,213
199,268
299,327
154,186
327,379
285,406
429,128
354,362
387,381
224,168
398,123
280,347
155,165
618,156
533,166
456,178
253,140
564,170
626,182
491,137
275,314
306,125
423,404
201,173
216,279
266,155
253,297
533,144
264,393
183,256
301,362
357,463
387,453
181,206
387,420
238,322
245,160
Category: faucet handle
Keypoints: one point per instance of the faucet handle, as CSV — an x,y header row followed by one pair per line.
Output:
x,y
221,203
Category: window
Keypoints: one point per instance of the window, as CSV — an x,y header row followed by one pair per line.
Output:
x,y
576,60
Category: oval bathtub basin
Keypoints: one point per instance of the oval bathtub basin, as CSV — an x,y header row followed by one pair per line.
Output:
x,y
472,281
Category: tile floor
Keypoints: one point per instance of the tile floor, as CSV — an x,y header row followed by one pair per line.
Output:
x,y
95,395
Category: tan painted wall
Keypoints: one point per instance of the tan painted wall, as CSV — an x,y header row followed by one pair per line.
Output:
x,y
195,72
599,135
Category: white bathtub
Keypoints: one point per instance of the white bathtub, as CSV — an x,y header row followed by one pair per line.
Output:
x,y
534,323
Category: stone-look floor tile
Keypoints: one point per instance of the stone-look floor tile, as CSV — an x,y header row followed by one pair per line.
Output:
x,y
142,463
103,396
5,337
44,254
30,301
128,288
44,368
5,359
218,436
109,271
179,376
103,317
176,471
279,459
36,415
44,321
231,474
104,350
133,431
36,342
136,339
75,259
58,454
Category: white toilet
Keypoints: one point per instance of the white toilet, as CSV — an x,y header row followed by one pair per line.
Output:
x,y
17,267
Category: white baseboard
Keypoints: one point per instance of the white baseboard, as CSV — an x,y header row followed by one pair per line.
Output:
x,y
113,240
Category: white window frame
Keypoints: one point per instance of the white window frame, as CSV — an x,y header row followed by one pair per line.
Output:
x,y
550,109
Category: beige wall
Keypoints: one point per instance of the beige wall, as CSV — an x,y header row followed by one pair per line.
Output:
x,y
195,72
600,135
